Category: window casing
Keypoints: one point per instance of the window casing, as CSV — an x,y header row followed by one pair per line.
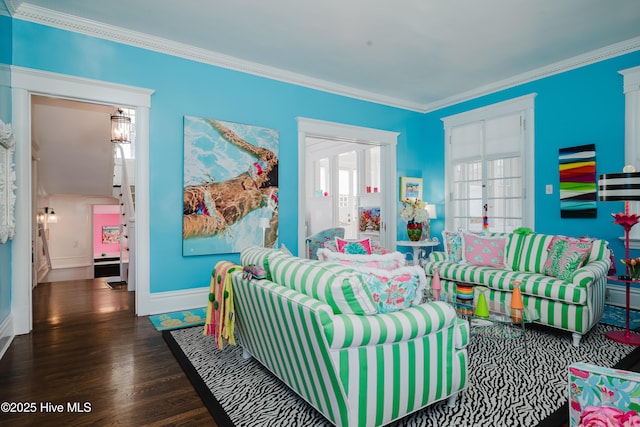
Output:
x,y
489,164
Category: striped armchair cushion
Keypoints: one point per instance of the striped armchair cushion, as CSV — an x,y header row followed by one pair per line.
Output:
x,y
339,286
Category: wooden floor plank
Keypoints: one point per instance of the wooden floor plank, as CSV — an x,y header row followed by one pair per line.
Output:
x,y
87,345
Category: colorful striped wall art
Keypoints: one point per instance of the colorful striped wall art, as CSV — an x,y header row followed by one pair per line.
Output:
x,y
578,182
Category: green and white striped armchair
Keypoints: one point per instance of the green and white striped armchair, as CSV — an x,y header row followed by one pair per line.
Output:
x,y
311,325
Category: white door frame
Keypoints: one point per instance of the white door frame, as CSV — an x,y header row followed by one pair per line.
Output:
x,y
388,173
24,83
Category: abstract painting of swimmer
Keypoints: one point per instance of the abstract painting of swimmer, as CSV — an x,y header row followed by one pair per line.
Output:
x,y
230,187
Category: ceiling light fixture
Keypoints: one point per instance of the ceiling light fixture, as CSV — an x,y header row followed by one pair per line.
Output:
x,y
120,127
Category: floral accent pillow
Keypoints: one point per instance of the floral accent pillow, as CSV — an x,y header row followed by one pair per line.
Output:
x,y
566,255
388,261
360,247
483,251
395,290
452,242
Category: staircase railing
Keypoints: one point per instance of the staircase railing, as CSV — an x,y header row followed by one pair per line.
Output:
x,y
127,221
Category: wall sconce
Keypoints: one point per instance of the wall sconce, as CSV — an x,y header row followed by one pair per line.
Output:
x,y
51,218
120,127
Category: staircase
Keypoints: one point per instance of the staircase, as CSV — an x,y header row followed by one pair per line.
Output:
x,y
126,195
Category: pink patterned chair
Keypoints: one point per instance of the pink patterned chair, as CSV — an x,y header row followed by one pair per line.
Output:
x,y
601,393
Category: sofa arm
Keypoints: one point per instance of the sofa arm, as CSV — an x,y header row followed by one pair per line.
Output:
x,y
349,330
463,332
437,256
591,272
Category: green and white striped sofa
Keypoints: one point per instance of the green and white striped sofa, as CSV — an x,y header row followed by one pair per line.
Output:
x,y
306,323
575,304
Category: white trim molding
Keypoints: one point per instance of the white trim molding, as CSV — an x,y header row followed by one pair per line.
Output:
x,y
631,89
387,140
617,295
166,302
24,83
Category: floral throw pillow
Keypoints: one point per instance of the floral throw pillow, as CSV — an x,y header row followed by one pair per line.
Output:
x,y
566,255
452,242
484,251
359,247
393,291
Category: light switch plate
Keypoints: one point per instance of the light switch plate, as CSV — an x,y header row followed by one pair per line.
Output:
x,y
549,189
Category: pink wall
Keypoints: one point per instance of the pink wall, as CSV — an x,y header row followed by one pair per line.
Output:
x,y
100,220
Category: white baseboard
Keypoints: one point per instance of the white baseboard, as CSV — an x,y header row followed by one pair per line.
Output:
x,y
6,334
617,295
75,273
165,302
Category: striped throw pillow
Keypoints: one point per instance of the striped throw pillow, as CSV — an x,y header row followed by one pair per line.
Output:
x,y
339,286
527,252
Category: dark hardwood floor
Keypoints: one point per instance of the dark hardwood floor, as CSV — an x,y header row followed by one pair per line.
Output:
x,y
88,351
88,347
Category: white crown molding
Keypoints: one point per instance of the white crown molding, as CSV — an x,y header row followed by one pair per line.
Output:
x,y
75,24
4,9
39,15
592,57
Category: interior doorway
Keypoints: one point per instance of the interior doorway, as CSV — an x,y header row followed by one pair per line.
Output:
x,y
341,167
343,187
75,168
24,84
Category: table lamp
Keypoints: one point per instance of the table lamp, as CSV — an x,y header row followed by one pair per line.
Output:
x,y
426,230
614,187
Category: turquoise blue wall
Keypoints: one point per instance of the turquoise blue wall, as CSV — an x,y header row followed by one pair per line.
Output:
x,y
5,39
185,87
582,106
577,107
5,116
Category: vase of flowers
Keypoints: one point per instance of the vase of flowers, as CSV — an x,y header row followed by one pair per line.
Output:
x,y
414,212
633,267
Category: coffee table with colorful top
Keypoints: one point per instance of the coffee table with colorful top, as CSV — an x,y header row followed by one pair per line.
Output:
x,y
500,323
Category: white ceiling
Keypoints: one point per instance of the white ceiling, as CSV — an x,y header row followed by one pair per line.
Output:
x,y
417,54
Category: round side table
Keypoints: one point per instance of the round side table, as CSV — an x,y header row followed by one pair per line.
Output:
x,y
416,246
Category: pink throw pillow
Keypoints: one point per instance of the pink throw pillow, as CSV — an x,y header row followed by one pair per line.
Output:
x,y
566,255
484,251
354,247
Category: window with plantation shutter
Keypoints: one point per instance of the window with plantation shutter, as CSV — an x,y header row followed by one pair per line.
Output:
x,y
489,166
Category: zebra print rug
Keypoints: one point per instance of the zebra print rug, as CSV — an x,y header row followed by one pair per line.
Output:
x,y
508,386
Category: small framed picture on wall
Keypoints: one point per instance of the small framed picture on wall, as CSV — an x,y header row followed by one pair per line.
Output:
x,y
110,234
410,188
